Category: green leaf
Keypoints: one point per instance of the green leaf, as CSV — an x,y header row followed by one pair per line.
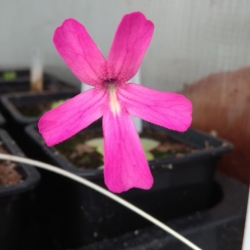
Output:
x,y
100,150
96,142
149,156
56,103
149,144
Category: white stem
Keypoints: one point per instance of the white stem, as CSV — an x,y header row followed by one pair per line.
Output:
x,y
246,241
36,72
137,121
102,191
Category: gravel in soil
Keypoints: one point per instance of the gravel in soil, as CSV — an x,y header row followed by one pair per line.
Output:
x,y
8,173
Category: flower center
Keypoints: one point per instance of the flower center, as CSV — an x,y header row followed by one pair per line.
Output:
x,y
110,81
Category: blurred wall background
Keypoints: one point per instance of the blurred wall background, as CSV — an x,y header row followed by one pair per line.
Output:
x,y
192,38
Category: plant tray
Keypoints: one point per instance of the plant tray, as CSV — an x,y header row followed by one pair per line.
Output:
x,y
16,201
182,185
219,227
12,103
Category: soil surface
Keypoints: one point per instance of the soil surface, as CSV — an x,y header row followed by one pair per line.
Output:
x,y
34,110
86,157
8,173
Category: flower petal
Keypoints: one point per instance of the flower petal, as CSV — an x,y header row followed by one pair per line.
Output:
x,y
130,43
125,165
79,52
170,110
72,116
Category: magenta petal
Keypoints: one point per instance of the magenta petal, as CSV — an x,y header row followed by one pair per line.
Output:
x,y
170,110
130,43
79,52
72,116
125,165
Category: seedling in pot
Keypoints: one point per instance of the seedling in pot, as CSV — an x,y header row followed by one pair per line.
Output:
x,y
147,145
85,149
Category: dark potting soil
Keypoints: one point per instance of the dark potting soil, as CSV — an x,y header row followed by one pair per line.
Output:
x,y
34,110
86,157
38,110
8,173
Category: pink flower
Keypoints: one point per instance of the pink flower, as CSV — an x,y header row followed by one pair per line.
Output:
x,y
114,99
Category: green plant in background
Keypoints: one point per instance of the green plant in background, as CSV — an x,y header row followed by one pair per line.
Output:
x,y
9,75
57,103
147,145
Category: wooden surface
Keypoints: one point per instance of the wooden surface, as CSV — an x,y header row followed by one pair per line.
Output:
x,y
221,103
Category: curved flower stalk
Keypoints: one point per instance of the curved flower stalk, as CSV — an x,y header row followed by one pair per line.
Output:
x,y
113,98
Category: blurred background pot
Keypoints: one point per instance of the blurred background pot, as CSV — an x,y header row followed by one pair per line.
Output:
x,y
21,109
17,201
13,81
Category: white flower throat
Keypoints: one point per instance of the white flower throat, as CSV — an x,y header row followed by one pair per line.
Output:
x,y
113,101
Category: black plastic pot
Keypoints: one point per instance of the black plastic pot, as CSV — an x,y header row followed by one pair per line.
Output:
x,y
217,228
16,121
181,186
18,81
17,203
